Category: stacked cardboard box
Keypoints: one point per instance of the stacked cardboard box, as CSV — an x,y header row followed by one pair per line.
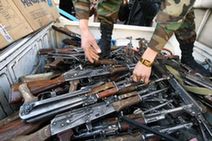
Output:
x,y
21,17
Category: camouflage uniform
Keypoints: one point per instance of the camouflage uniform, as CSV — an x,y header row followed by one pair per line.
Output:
x,y
174,18
186,33
107,10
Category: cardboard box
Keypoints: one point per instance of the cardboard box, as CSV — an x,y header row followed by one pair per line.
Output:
x,y
21,17
50,4
36,12
13,25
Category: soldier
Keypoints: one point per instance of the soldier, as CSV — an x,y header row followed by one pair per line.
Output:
x,y
186,36
172,18
107,11
140,15
142,12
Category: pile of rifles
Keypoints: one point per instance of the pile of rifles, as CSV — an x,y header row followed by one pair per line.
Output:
x,y
81,101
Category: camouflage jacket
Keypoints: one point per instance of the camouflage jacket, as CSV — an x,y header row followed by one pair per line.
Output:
x,y
169,19
107,10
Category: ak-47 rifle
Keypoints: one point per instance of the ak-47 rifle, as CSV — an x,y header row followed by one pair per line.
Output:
x,y
127,137
138,136
73,53
40,109
67,32
70,56
147,128
108,127
189,76
149,118
59,62
199,80
93,112
115,126
169,130
67,50
39,86
196,110
74,38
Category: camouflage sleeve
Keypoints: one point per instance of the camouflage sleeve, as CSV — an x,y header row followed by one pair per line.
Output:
x,y
82,8
186,34
169,19
107,10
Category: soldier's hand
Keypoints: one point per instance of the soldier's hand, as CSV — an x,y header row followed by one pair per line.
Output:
x,y
141,73
90,47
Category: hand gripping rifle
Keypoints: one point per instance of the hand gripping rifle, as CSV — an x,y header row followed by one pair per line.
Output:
x,y
39,86
90,113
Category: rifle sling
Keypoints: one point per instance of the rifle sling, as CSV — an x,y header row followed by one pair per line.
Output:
x,y
193,89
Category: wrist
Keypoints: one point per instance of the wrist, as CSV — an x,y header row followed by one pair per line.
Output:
x,y
146,62
83,26
148,57
149,54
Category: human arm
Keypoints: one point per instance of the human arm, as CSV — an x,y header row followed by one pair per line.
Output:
x,y
88,42
169,19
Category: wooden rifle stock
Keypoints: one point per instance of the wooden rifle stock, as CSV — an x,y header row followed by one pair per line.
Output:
x,y
35,88
17,127
56,63
40,135
129,137
43,134
9,119
119,105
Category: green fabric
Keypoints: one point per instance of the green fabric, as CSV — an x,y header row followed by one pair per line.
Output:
x,y
193,89
107,11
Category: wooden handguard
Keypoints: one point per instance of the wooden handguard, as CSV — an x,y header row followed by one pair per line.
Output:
x,y
119,105
16,128
107,93
118,69
100,88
